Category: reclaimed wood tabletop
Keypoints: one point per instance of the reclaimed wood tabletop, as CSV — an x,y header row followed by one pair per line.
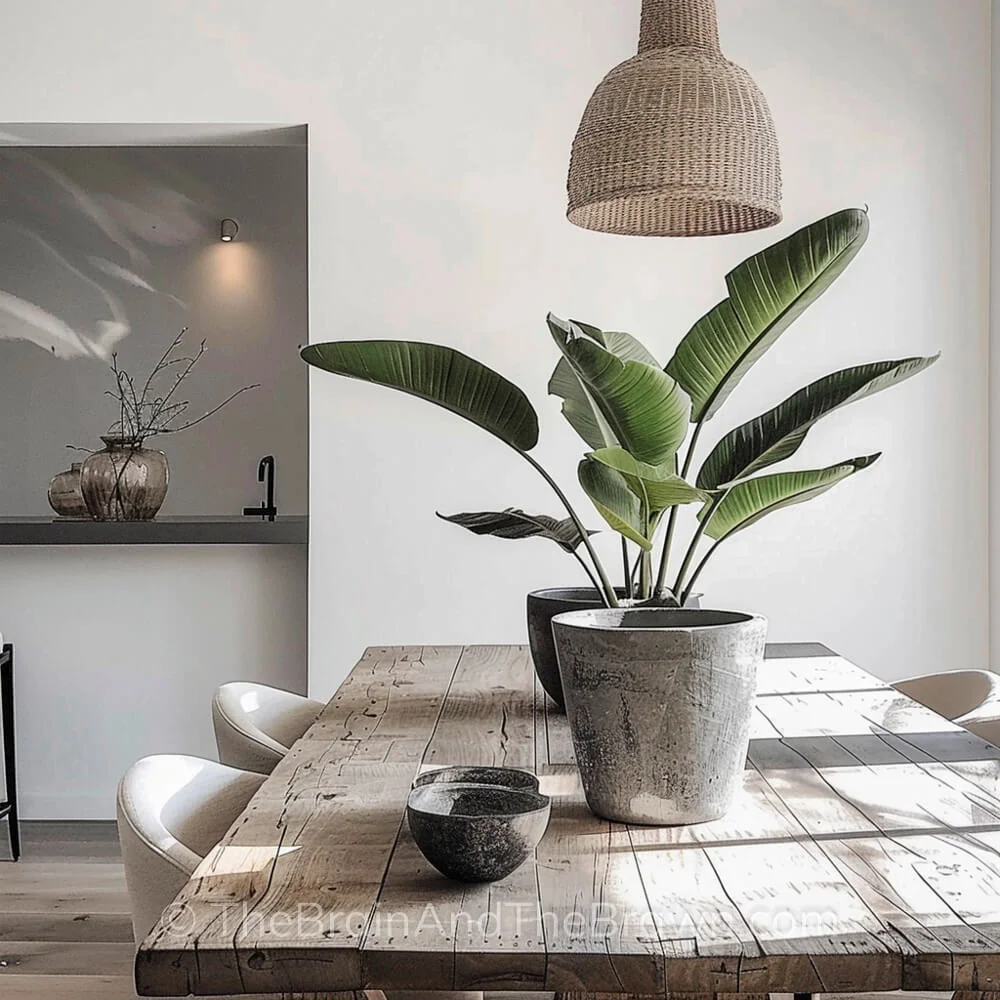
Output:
x,y
862,854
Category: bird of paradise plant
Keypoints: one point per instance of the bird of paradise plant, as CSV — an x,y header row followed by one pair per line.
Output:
x,y
635,415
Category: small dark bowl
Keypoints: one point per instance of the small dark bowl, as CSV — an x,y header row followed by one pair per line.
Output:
x,y
507,777
476,833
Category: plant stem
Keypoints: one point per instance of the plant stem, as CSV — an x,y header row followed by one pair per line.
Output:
x,y
627,568
689,555
690,452
645,575
697,572
610,599
587,570
661,576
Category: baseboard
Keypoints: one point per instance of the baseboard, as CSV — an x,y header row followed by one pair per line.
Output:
x,y
40,831
65,807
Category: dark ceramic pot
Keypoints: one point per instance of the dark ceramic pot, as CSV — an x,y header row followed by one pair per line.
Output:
x,y
506,777
543,606
476,833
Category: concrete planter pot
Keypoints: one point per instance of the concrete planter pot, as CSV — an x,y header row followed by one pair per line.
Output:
x,y
659,704
542,607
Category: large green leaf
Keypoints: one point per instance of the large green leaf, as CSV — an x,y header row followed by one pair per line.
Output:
x,y
440,375
514,523
748,501
776,435
578,407
615,502
766,293
657,486
645,408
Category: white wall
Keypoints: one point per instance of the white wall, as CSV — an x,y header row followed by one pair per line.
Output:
x,y
118,651
439,137
994,371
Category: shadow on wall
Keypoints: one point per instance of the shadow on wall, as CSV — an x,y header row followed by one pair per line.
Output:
x,y
87,235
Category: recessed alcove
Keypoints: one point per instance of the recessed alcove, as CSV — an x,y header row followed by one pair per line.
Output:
x,y
109,246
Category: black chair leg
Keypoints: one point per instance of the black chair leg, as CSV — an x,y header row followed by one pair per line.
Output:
x,y
14,833
10,769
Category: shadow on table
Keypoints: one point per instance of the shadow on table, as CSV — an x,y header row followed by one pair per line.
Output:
x,y
870,749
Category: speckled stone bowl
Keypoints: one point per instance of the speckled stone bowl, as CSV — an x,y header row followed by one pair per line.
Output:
x,y
508,777
476,833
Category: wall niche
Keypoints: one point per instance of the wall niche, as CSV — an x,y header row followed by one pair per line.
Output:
x,y
110,245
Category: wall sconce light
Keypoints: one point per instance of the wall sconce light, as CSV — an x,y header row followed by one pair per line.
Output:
x,y
228,230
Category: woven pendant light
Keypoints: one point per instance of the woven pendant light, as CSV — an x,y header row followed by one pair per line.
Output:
x,y
676,141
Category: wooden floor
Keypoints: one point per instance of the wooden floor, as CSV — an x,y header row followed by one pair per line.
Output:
x,y
65,928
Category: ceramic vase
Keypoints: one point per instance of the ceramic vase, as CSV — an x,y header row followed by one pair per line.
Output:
x,y
125,481
65,493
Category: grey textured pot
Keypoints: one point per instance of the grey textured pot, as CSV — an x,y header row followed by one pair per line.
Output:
x,y
542,606
659,704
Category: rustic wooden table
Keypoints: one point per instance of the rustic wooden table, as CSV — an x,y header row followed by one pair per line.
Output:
x,y
863,853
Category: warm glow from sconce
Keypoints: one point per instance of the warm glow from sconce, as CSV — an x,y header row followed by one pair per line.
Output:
x,y
228,230
232,275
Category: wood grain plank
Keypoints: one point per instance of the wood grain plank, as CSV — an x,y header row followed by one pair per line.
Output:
x,y
851,713
805,674
701,932
600,934
499,940
428,932
539,736
815,933
558,738
910,797
892,876
489,716
819,808
302,867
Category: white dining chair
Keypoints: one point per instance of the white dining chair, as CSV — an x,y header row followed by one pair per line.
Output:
x,y
172,810
966,697
256,725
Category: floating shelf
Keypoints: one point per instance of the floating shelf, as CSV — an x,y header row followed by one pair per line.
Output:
x,y
291,530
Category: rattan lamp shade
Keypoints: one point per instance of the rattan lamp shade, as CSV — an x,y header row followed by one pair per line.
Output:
x,y
676,141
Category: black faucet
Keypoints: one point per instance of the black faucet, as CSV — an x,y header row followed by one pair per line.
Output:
x,y
265,474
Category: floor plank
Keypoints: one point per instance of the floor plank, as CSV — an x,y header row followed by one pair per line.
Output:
x,y
68,988
75,887
64,958
65,923
107,927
